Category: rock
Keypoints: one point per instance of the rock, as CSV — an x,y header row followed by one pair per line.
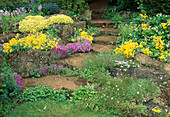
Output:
x,y
102,48
4,38
88,14
166,67
144,59
158,76
66,31
26,61
80,24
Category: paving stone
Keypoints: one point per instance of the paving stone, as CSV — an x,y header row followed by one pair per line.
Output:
x,y
110,30
102,48
105,39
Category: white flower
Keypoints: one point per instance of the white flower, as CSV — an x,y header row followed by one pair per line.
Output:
x,y
138,92
112,98
116,85
118,89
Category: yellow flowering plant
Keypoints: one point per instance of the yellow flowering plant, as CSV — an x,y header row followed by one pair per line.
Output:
x,y
32,41
154,31
38,23
81,34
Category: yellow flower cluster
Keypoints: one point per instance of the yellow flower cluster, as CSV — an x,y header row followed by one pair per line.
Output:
x,y
128,48
60,19
164,25
159,42
144,27
144,16
34,41
33,24
156,111
146,51
84,35
37,23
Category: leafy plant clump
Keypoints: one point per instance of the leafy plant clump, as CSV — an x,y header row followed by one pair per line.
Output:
x,y
44,93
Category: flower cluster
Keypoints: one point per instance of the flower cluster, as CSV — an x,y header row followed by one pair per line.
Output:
x,y
37,23
146,51
50,8
156,111
60,19
52,69
63,51
80,34
128,48
125,64
152,35
32,41
18,80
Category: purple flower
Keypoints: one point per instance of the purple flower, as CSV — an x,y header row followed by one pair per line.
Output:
x,y
12,108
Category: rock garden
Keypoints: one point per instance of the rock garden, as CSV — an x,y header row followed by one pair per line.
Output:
x,y
88,58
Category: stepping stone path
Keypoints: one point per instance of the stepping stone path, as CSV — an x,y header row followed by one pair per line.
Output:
x,y
102,45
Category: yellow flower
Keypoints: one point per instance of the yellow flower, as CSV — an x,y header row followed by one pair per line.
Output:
x,y
80,30
146,51
164,26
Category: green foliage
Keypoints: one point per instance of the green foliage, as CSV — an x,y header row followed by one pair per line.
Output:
x,y
77,16
9,4
154,7
93,29
83,93
44,93
11,87
77,6
125,30
145,29
49,108
127,95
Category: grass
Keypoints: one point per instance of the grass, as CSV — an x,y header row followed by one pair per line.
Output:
x,y
50,108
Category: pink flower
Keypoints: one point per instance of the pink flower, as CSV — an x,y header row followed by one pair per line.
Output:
x,y
40,7
12,108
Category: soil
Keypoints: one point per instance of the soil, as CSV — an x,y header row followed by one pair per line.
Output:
x,y
56,82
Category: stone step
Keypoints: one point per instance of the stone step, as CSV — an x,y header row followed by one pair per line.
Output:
x,y
99,48
105,39
109,30
76,60
102,23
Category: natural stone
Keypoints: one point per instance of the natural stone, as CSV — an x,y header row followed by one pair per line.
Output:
x,y
158,76
166,67
24,62
88,14
102,48
4,38
144,59
65,31
80,24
